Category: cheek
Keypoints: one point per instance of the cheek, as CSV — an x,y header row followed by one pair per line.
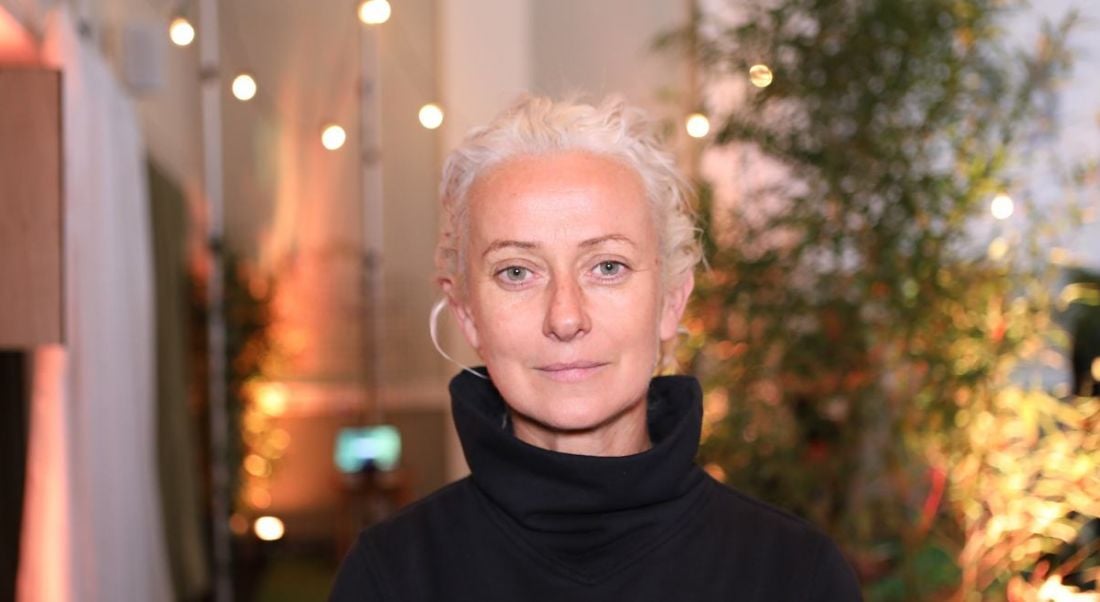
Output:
x,y
629,317
505,323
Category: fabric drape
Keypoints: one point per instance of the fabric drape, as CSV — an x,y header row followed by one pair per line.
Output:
x,y
93,529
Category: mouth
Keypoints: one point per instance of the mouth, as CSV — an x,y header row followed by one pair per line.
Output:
x,y
570,372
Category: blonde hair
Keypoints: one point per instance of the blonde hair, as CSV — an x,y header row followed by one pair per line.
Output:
x,y
535,125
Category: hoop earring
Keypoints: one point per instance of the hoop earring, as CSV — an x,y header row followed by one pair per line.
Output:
x,y
433,331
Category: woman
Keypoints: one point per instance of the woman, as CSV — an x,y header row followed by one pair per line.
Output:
x,y
566,255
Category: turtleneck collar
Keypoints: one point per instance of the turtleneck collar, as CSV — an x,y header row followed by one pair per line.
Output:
x,y
589,515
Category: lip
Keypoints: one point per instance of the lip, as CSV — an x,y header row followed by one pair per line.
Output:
x,y
570,372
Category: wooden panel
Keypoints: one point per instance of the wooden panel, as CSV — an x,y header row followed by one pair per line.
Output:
x,y
30,208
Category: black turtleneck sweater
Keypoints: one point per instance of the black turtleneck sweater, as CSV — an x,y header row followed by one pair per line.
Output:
x,y
531,524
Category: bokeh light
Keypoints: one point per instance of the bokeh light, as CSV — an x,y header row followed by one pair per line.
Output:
x,y
181,32
1002,206
431,116
269,528
272,398
760,76
256,465
375,12
244,87
998,249
333,137
697,125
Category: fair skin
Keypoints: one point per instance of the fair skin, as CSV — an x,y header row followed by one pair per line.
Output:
x,y
564,300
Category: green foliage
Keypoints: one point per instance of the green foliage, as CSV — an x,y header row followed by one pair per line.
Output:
x,y
848,333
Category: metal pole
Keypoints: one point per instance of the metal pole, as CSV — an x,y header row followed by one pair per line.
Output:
x,y
370,141
210,79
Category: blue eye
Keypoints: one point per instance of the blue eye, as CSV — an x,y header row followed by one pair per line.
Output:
x,y
515,273
610,268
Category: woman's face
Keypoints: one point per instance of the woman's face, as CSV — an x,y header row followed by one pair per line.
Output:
x,y
564,299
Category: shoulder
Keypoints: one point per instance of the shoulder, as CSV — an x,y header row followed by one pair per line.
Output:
x,y
404,540
439,512
757,515
783,543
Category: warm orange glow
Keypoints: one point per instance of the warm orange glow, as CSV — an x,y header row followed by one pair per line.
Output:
x,y
16,45
258,498
238,524
256,466
271,398
279,439
46,540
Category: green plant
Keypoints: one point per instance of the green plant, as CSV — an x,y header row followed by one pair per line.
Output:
x,y
851,338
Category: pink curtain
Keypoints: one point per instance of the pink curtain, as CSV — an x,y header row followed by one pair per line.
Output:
x,y
92,529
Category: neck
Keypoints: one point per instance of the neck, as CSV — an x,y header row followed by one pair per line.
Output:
x,y
625,434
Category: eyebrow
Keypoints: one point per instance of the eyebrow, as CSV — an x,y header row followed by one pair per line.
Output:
x,y
496,245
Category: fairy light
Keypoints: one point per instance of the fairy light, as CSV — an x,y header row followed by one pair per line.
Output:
x,y
271,398
375,12
697,125
760,76
256,465
1002,206
244,87
258,497
431,116
181,32
269,528
333,137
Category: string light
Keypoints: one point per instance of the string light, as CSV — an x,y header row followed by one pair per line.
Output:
x,y
375,12
760,76
181,32
272,397
279,439
333,137
256,466
244,87
258,498
269,528
1002,206
431,116
697,125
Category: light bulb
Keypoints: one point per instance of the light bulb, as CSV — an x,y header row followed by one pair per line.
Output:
x,y
181,32
333,137
269,528
244,87
273,397
375,12
1002,206
697,125
431,116
760,76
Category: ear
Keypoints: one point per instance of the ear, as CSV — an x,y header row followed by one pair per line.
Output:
x,y
461,312
674,303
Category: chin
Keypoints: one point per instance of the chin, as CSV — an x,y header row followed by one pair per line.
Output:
x,y
574,414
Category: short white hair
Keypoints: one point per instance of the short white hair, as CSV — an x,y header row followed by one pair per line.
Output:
x,y
535,125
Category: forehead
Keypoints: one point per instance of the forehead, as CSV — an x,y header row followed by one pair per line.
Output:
x,y
560,196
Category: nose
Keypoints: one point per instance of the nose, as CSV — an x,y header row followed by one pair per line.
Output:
x,y
566,317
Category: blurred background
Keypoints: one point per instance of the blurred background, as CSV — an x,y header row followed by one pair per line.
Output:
x,y
217,222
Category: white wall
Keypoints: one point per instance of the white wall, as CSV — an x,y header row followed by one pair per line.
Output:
x,y
169,116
